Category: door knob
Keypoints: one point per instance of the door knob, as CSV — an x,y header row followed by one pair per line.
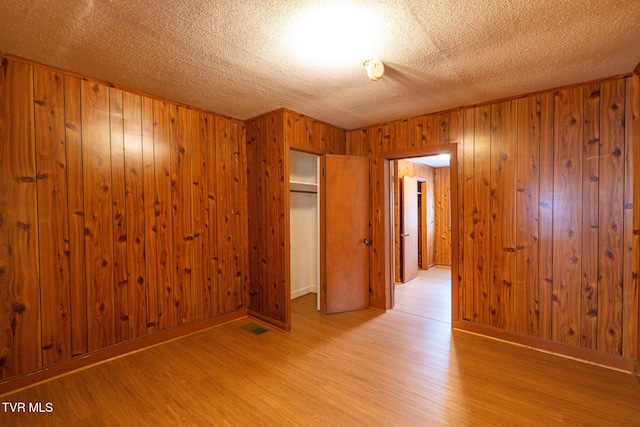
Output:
x,y
404,235
366,242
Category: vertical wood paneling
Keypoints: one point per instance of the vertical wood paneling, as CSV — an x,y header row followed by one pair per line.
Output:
x,y
239,225
162,116
431,234
53,225
121,288
214,218
181,216
525,292
135,208
269,138
631,308
468,171
202,278
545,270
256,140
503,192
567,216
276,187
557,170
96,155
105,197
481,220
75,201
442,216
150,218
443,128
590,220
225,211
321,136
19,285
611,217
378,295
456,135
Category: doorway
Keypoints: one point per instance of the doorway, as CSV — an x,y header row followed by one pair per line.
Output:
x,y
304,224
432,293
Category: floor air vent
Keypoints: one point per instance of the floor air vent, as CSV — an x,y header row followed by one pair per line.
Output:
x,y
255,329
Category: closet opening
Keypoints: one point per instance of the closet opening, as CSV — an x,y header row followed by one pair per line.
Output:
x,y
304,224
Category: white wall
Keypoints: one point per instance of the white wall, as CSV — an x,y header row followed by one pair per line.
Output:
x,y
304,220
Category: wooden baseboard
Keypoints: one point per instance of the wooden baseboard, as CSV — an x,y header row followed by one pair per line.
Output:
x,y
13,384
564,350
269,321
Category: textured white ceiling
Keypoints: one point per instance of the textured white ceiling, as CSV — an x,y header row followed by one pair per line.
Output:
x,y
240,59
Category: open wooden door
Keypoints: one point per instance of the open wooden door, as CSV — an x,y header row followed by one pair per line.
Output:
x,y
409,228
344,233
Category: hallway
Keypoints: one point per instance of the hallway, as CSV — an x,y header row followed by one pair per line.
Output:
x,y
428,295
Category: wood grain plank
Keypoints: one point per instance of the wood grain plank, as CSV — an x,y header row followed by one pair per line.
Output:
x,y
467,224
527,203
227,290
75,201
276,184
256,174
202,278
545,272
400,133
481,230
590,222
121,279
456,135
382,273
20,350
135,209
631,264
150,219
53,224
212,198
321,136
611,217
443,127
567,216
182,216
240,224
162,116
96,156
502,208
442,216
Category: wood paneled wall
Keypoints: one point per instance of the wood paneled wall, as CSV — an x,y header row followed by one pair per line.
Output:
x,y
269,138
548,211
442,216
407,168
120,216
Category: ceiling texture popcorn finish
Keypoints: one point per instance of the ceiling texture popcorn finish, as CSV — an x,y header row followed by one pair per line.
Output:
x,y
242,59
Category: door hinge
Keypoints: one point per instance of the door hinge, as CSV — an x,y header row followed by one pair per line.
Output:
x,y
324,172
324,287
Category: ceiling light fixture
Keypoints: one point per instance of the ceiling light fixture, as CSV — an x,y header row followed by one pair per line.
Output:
x,y
375,69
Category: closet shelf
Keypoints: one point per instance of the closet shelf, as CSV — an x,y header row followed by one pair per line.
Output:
x,y
311,187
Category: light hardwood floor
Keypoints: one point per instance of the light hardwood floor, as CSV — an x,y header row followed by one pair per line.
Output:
x,y
364,368
428,295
